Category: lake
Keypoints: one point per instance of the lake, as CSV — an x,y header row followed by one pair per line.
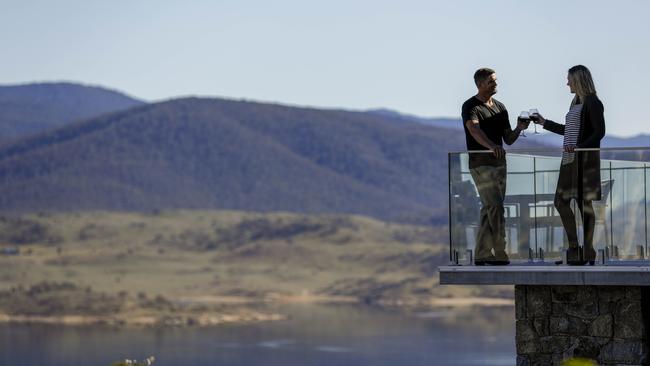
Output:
x,y
330,335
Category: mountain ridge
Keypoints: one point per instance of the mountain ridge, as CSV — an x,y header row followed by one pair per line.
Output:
x,y
215,153
33,107
228,154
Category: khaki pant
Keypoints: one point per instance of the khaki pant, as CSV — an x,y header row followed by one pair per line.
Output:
x,y
491,186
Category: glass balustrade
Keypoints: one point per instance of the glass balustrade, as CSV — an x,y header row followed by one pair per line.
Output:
x,y
534,231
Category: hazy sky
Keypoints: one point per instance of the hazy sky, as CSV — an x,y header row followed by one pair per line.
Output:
x,y
414,56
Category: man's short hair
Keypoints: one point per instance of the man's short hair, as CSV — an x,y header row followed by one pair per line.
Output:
x,y
482,74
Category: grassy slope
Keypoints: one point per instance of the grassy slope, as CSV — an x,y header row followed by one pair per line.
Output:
x,y
233,255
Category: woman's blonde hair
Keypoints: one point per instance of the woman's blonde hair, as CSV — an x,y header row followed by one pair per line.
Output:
x,y
583,84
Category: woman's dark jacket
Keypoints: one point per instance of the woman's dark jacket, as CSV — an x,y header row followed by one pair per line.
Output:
x,y
592,130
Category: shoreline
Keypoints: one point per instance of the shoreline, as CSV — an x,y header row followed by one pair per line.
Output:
x,y
167,320
239,316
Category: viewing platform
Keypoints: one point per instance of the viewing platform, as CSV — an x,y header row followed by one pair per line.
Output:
x,y
599,312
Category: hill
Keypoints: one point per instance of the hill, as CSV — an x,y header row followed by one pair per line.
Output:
x,y
30,108
452,123
214,153
632,141
206,255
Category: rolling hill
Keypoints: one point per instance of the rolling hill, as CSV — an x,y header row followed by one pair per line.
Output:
x,y
30,108
214,153
453,123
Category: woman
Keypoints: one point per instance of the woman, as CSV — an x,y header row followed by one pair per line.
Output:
x,y
579,171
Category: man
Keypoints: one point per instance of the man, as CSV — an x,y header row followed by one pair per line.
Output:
x,y
486,125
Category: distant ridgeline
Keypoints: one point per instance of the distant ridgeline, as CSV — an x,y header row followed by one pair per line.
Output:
x,y
212,153
29,108
217,154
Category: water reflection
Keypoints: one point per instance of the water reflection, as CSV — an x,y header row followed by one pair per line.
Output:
x,y
313,335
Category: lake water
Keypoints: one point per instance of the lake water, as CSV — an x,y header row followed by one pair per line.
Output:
x,y
329,335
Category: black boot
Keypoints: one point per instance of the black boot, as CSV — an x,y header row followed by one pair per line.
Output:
x,y
590,254
575,256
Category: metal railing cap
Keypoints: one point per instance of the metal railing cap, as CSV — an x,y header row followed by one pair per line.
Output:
x,y
554,150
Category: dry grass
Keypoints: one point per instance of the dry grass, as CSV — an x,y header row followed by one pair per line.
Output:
x,y
234,256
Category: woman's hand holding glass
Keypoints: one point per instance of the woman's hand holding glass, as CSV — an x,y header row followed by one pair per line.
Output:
x,y
537,118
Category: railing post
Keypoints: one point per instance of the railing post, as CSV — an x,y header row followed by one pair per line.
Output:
x,y
469,256
451,245
611,206
601,256
535,200
645,206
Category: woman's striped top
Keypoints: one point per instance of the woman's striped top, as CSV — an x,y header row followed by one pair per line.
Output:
x,y
571,131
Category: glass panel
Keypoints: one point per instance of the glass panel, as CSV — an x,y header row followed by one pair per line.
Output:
x,y
464,206
531,221
627,207
603,209
549,231
518,206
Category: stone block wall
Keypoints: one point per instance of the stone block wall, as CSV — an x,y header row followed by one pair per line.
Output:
x,y
604,323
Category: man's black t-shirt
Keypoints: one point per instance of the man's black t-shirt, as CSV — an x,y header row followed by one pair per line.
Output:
x,y
495,124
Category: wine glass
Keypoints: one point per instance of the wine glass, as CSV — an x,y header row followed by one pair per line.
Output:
x,y
524,115
534,115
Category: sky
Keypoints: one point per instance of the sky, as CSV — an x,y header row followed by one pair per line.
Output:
x,y
417,57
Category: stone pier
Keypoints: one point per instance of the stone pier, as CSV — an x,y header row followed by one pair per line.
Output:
x,y
599,313
602,323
